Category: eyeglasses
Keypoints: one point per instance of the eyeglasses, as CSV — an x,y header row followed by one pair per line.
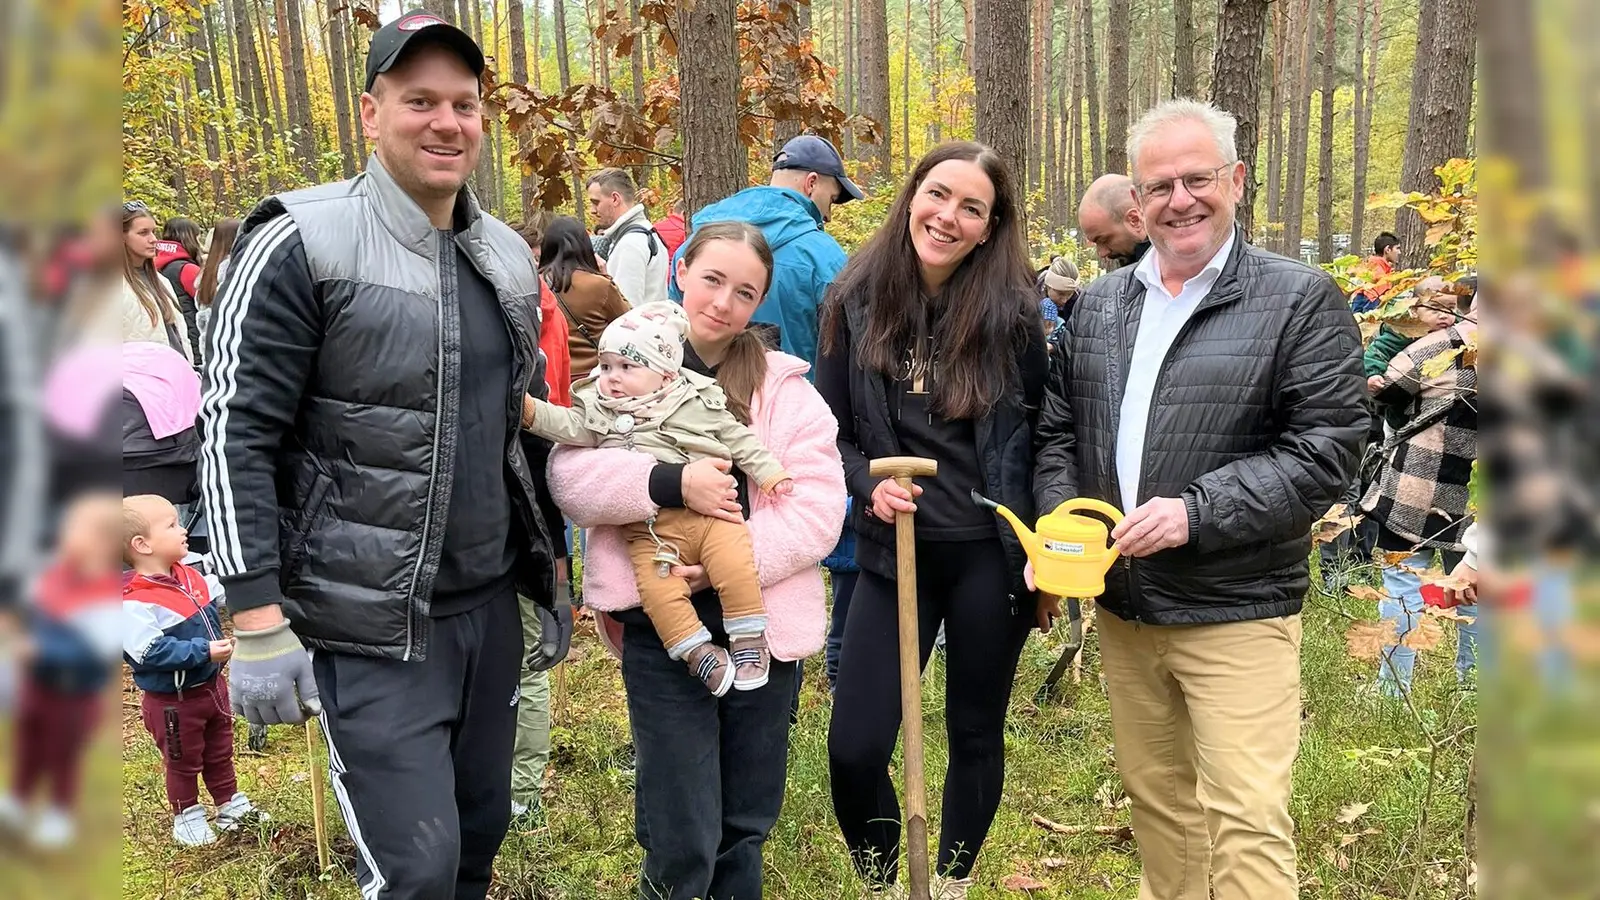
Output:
x,y
135,206
1198,184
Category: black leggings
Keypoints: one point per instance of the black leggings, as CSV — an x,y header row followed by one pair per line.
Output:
x,y
966,586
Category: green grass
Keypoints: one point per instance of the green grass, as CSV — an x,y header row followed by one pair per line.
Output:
x,y
1059,765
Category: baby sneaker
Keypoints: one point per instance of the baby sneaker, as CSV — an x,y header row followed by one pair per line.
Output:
x,y
191,829
237,811
751,661
711,664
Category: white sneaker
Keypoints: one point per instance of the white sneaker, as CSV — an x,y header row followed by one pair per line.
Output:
x,y
53,830
238,811
13,815
191,829
950,888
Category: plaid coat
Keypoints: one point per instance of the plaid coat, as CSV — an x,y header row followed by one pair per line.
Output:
x,y
1421,489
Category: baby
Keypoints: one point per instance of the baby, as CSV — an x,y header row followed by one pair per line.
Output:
x,y
641,398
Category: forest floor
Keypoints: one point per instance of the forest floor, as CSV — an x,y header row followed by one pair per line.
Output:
x,y
1366,771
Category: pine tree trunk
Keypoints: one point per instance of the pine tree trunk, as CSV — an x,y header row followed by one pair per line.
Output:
x,y
252,85
291,112
1002,97
714,163
305,134
1589,27
483,176
1449,105
1325,139
1046,111
1183,40
1299,131
936,72
355,57
1360,135
210,98
1278,89
1415,174
905,90
179,178
969,12
1036,104
538,51
516,19
1073,112
599,58
783,71
1236,85
339,73
1117,50
873,81
640,39
564,69
851,50
1091,68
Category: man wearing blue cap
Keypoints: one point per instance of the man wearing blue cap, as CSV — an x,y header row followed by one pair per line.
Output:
x,y
807,181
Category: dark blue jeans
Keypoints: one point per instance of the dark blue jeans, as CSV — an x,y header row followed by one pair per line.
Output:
x,y
710,776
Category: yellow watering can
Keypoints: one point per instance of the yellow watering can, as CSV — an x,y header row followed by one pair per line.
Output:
x,y
1069,553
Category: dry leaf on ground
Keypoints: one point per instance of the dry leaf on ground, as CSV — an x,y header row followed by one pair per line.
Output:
x,y
1017,881
1352,812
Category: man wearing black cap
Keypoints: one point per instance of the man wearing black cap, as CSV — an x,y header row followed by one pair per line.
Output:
x,y
807,181
368,492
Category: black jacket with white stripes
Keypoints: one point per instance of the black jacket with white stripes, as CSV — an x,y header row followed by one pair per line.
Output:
x,y
332,382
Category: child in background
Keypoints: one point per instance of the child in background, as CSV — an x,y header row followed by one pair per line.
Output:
x,y
641,398
175,646
75,629
1434,310
1051,316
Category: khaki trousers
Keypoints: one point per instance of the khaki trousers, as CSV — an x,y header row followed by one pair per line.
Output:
x,y
722,547
1207,723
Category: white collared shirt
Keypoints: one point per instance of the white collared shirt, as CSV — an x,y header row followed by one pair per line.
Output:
x,y
1163,317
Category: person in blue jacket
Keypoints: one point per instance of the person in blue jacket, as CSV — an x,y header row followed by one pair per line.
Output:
x,y
807,181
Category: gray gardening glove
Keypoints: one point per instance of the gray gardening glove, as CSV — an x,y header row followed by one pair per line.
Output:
x,y
555,632
270,678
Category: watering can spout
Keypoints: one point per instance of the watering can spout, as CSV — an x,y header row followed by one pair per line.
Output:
x,y
1030,540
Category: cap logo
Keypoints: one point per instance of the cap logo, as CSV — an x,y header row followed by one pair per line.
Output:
x,y
417,23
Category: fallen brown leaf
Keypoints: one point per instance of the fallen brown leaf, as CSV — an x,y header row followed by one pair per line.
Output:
x,y
1440,612
1053,862
1017,881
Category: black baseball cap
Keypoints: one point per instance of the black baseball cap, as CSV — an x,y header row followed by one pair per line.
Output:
x,y
814,153
389,43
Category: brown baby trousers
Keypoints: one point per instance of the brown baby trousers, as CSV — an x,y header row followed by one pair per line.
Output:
x,y
722,547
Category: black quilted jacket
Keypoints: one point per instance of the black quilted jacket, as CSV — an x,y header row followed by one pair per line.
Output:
x,y
1257,419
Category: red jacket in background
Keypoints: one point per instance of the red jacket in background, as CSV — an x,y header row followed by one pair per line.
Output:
x,y
553,341
169,252
673,234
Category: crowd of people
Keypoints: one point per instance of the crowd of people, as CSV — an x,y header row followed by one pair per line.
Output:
x,y
373,422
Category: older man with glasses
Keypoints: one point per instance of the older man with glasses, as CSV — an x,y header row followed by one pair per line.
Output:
x,y
1213,392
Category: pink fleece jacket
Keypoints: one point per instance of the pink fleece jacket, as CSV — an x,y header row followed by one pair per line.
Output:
x,y
603,490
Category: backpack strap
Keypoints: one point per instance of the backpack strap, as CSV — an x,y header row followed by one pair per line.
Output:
x,y
651,237
573,321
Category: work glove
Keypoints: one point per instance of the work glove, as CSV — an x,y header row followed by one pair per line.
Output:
x,y
270,678
555,632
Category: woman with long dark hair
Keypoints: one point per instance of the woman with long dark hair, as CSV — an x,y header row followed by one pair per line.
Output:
x,y
931,347
223,234
149,308
178,256
587,298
